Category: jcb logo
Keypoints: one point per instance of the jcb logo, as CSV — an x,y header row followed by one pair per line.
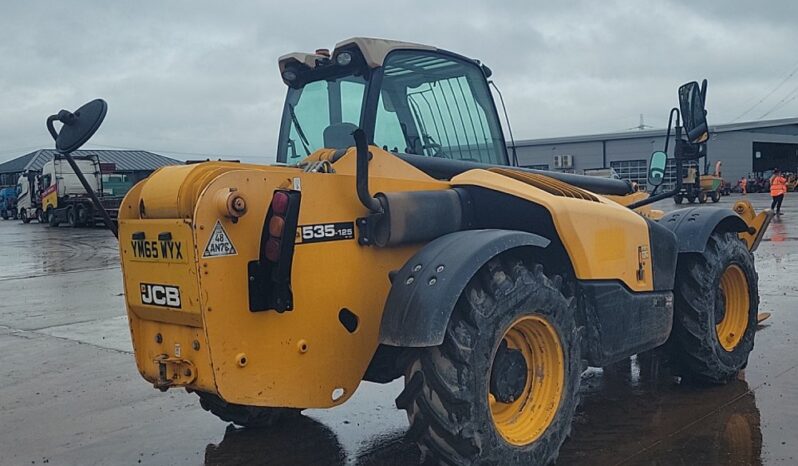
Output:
x,y
160,295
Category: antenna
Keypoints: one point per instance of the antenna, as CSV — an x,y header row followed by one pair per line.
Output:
x,y
507,121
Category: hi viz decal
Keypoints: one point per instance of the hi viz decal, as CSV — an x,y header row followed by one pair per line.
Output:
x,y
157,250
160,295
219,243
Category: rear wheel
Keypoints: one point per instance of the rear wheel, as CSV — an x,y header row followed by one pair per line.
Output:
x,y
72,217
691,199
52,220
242,415
717,300
715,196
503,386
702,197
82,216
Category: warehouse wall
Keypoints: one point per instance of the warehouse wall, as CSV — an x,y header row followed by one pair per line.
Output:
x,y
734,148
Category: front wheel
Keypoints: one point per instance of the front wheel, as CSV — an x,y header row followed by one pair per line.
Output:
x,y
715,196
715,311
242,415
23,214
503,386
702,197
678,198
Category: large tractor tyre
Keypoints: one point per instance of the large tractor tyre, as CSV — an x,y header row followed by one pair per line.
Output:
x,y
702,197
717,301
244,416
678,198
715,196
503,386
72,217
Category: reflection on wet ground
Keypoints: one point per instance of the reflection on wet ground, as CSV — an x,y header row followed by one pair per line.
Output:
x,y
634,412
70,393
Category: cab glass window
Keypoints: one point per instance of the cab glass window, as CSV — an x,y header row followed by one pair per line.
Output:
x,y
321,114
438,106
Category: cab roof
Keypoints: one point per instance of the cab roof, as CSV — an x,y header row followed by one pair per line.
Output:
x,y
373,50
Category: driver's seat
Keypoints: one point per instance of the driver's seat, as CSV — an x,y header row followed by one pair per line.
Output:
x,y
339,135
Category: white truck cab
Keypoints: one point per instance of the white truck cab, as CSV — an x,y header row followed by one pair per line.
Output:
x,y
28,199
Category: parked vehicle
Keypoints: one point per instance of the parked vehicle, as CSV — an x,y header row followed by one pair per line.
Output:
x,y
65,200
8,202
29,205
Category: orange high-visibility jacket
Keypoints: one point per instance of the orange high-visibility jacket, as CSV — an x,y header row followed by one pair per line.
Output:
x,y
778,186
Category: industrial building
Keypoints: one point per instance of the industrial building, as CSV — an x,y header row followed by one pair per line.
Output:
x,y
744,148
121,168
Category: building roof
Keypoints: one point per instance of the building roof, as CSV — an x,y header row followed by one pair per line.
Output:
x,y
632,134
125,160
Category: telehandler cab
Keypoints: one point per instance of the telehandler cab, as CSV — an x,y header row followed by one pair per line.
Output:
x,y
395,238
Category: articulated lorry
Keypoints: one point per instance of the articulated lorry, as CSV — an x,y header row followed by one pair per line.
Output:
x,y
65,200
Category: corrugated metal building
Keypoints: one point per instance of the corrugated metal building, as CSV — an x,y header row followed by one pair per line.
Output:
x,y
135,164
744,148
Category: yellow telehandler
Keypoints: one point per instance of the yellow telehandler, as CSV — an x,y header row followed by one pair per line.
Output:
x,y
396,238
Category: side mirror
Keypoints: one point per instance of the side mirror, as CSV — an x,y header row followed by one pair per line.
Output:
x,y
691,104
656,168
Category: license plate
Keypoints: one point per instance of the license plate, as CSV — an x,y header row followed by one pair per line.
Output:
x,y
157,250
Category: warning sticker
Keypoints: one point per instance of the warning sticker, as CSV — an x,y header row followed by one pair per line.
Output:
x,y
219,243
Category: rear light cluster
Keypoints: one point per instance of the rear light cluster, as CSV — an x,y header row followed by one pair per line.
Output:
x,y
273,246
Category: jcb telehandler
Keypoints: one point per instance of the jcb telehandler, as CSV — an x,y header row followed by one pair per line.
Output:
x,y
394,238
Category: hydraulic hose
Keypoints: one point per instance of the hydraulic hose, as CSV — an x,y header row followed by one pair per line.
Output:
x,y
362,173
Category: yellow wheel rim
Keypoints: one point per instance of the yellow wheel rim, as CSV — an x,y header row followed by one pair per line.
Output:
x,y
524,420
734,287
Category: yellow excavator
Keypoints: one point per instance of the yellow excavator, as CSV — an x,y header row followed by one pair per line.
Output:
x,y
395,238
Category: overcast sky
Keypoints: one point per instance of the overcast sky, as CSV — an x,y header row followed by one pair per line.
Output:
x,y
191,78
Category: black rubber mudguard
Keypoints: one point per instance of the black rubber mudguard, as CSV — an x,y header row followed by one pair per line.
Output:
x,y
426,289
694,225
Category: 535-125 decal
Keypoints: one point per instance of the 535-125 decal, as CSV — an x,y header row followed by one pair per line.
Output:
x,y
325,232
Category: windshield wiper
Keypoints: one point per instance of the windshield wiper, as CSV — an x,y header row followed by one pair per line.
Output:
x,y
298,128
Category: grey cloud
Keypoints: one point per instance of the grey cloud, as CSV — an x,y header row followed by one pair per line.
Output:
x,y
201,77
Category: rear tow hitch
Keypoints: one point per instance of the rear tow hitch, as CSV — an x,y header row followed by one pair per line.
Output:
x,y
173,372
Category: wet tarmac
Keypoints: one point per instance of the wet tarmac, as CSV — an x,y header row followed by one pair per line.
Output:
x,y
70,392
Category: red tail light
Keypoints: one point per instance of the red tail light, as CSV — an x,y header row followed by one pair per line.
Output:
x,y
279,203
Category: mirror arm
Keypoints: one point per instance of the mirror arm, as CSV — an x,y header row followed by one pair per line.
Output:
x,y
653,199
670,125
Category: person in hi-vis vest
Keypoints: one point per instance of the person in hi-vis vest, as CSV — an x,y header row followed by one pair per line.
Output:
x,y
778,188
